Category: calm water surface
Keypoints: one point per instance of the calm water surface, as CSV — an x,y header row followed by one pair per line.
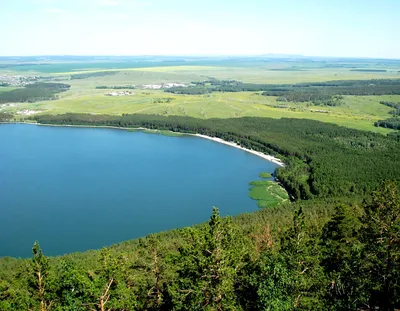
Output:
x,y
74,189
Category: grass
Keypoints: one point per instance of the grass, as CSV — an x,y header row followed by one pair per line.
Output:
x,y
358,112
166,133
6,88
265,175
268,74
267,193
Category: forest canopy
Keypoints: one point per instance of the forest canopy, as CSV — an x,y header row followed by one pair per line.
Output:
x,y
34,92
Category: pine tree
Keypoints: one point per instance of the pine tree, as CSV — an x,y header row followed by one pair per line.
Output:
x,y
302,257
40,268
208,265
381,236
73,287
341,259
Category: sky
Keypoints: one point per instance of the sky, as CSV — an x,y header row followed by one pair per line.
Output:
x,y
337,28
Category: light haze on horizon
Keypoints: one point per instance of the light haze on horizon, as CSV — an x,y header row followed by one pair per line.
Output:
x,y
337,28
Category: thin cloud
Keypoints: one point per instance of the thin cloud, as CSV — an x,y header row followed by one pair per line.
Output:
x,y
109,3
54,10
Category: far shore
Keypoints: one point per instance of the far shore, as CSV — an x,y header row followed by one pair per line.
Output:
x,y
216,139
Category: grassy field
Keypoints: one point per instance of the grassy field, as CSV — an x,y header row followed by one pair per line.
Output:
x,y
357,111
267,193
6,88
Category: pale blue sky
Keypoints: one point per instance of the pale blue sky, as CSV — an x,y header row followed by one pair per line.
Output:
x,y
345,28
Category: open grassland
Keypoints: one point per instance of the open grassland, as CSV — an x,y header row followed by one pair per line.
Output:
x,y
270,74
258,72
357,111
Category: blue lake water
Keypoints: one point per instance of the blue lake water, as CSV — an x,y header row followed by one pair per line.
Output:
x,y
74,189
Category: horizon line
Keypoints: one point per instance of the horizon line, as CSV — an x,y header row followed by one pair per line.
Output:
x,y
276,55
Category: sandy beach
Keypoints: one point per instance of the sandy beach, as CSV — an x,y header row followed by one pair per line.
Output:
x,y
232,144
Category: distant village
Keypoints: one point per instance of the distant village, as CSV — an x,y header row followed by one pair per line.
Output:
x,y
147,87
163,86
120,93
18,81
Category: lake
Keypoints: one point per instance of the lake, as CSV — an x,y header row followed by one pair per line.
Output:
x,y
75,189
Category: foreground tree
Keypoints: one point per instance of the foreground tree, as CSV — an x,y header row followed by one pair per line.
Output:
x,y
301,268
380,234
39,280
73,287
208,266
111,284
342,258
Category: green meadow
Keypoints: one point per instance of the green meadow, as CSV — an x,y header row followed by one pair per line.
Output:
x,y
267,193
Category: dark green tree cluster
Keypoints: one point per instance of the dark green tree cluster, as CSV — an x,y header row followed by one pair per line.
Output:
x,y
396,107
309,257
195,90
391,123
4,116
93,74
34,92
118,87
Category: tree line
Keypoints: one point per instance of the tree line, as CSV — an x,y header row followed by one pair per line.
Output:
x,y
93,74
120,87
34,92
320,93
5,116
391,123
321,255
394,122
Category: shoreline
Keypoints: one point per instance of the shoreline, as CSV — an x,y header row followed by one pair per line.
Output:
x,y
260,154
215,139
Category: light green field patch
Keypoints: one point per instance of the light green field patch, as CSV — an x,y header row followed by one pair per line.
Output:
x,y
6,88
267,74
267,193
165,133
265,175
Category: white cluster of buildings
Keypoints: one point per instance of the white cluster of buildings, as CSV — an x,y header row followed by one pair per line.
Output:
x,y
10,80
121,93
163,86
27,112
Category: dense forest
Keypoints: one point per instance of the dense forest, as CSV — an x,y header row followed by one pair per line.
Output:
x,y
311,255
396,106
322,159
34,92
93,74
320,93
336,246
4,116
118,87
394,122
